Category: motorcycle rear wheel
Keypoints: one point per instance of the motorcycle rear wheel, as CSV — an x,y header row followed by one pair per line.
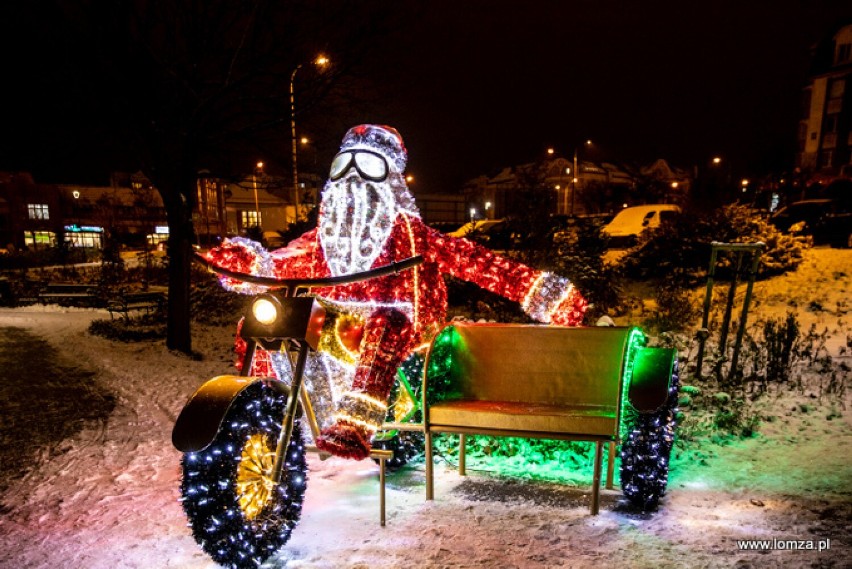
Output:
x,y
237,514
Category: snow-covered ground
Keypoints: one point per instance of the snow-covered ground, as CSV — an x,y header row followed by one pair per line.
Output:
x,y
108,497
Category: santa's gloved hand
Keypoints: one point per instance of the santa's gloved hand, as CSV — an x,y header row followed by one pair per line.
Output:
x,y
554,300
243,256
570,311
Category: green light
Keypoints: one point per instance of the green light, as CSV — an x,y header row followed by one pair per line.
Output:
x,y
635,340
441,364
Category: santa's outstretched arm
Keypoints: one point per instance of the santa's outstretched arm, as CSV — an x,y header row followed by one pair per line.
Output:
x,y
297,260
545,296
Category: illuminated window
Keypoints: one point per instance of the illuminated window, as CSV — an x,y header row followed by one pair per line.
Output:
x,y
159,237
39,239
38,211
250,218
84,239
208,199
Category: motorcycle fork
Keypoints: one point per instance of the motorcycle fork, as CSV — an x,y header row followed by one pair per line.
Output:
x,y
289,419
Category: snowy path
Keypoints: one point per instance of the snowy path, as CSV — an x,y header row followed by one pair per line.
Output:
x,y
110,499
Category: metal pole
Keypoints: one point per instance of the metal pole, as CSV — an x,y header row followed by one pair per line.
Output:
x,y
293,136
704,333
729,306
256,206
755,262
574,182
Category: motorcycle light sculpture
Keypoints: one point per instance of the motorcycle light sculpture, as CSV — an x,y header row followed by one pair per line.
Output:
x,y
244,469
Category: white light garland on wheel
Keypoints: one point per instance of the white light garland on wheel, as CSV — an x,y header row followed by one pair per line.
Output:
x,y
231,534
646,449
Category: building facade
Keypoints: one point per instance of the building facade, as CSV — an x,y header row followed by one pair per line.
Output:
x,y
37,216
128,212
595,187
825,129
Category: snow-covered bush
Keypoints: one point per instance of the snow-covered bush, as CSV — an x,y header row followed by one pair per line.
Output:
x,y
581,260
212,304
685,243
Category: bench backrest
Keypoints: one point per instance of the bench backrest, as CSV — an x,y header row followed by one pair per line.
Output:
x,y
531,364
67,287
144,296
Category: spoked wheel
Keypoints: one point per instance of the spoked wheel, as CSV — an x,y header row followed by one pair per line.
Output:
x,y
646,450
404,405
237,514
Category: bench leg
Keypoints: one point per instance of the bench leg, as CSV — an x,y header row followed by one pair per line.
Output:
x,y
462,458
430,475
610,465
596,482
382,491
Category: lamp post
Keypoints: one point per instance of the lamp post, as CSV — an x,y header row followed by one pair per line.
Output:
x,y
320,61
574,178
257,171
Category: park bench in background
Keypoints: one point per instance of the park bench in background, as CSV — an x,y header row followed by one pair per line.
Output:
x,y
141,302
68,294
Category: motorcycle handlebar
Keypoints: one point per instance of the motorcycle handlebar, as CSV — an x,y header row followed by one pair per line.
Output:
x,y
293,284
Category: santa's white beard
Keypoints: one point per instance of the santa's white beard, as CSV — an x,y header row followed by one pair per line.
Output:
x,y
356,218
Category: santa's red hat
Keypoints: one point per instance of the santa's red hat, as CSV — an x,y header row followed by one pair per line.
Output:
x,y
379,138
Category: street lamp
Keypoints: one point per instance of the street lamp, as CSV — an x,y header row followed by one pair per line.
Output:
x,y
320,61
257,171
487,210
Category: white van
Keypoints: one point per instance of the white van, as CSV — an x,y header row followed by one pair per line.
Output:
x,y
273,239
629,223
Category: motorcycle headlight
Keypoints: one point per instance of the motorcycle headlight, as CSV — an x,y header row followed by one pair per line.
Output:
x,y
264,311
271,317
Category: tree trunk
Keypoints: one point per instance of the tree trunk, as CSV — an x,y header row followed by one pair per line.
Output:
x,y
178,334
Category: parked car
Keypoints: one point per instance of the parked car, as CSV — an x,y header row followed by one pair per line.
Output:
x,y
475,227
626,227
825,220
445,226
273,239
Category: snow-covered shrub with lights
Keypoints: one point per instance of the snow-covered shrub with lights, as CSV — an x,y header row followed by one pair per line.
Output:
x,y
647,440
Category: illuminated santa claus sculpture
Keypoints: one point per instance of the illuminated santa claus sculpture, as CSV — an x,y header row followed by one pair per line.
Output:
x,y
367,219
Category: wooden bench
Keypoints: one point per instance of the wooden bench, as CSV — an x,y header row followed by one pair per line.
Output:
x,y
130,302
68,293
539,382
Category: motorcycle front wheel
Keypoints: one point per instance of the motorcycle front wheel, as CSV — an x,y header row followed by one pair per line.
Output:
x,y
238,515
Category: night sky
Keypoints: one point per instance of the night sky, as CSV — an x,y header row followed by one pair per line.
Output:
x,y
475,85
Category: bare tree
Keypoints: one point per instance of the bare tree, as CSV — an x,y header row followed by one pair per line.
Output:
x,y
181,85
